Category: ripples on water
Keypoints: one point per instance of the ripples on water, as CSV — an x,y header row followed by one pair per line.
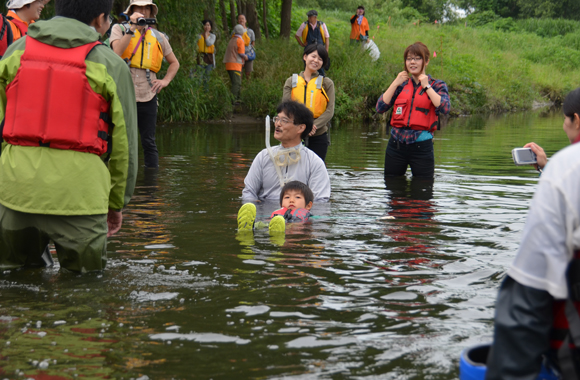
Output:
x,y
387,283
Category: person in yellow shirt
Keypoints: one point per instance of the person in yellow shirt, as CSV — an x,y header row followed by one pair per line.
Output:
x,y
22,13
234,59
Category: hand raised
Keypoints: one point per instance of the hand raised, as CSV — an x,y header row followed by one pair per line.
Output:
x,y
402,77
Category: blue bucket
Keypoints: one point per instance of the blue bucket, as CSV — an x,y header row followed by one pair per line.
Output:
x,y
472,364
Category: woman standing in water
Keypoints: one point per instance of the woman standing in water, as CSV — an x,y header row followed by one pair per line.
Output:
x,y
316,93
418,100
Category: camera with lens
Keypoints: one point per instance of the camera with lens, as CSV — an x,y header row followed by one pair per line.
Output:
x,y
141,21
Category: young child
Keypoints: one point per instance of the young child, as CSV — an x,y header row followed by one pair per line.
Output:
x,y
296,201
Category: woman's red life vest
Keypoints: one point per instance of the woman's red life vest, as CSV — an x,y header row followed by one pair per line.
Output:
x,y
413,109
21,25
50,102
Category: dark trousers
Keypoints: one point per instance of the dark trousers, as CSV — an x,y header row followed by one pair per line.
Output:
x,y
236,79
80,240
147,120
419,156
319,145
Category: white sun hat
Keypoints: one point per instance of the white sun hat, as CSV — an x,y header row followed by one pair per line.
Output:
x,y
17,4
142,3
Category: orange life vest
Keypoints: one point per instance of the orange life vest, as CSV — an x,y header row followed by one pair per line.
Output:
x,y
414,109
65,112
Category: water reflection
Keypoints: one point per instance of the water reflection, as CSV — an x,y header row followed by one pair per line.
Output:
x,y
351,294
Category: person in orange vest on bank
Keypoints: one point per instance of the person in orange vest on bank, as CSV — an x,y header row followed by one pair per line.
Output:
x,y
22,13
359,26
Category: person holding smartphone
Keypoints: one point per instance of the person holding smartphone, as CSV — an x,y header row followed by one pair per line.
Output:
x,y
417,101
571,127
538,305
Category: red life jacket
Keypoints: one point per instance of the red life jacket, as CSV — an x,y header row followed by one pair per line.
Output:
x,y
65,112
413,109
6,37
296,215
560,325
282,211
22,26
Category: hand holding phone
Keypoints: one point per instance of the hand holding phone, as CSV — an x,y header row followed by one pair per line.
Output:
x,y
524,156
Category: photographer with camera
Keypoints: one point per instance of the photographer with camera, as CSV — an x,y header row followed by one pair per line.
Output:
x,y
537,314
143,48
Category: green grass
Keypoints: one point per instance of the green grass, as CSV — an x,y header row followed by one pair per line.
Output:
x,y
486,68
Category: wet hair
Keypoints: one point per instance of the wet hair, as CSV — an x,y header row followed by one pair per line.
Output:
x,y
572,103
82,10
321,50
300,113
300,187
417,49
205,22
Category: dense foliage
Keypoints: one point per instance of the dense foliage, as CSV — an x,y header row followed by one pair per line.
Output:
x,y
498,58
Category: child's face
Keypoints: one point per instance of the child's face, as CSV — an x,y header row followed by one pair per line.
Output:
x,y
294,199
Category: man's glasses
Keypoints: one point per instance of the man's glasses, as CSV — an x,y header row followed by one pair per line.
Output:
x,y
282,120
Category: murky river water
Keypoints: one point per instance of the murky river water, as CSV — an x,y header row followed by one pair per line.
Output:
x,y
351,295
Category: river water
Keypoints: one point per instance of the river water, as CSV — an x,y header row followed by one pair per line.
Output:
x,y
353,295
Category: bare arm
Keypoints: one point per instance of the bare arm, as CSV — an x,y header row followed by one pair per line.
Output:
x,y
299,41
159,84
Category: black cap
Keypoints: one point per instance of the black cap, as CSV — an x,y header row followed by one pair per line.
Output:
x,y
312,13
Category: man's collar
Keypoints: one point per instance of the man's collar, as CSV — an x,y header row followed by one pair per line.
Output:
x,y
291,147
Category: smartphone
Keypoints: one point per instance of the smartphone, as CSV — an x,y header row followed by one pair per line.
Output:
x,y
524,156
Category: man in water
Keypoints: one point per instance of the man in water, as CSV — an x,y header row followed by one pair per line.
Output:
x,y
289,161
69,158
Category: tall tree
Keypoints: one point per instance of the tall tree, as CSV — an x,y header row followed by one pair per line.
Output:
x,y
209,11
265,18
224,18
252,17
286,18
233,13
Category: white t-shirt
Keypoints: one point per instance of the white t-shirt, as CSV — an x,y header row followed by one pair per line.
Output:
x,y
262,181
552,229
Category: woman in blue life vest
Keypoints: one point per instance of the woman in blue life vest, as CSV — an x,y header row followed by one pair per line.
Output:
x,y
417,101
537,313
316,92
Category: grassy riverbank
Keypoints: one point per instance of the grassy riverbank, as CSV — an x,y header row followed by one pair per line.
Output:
x,y
504,65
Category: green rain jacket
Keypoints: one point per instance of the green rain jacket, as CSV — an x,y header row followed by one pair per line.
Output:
x,y
43,180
